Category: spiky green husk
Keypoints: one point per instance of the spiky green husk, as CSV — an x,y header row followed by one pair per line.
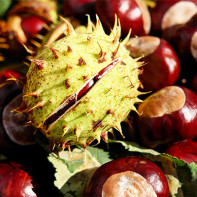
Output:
x,y
61,69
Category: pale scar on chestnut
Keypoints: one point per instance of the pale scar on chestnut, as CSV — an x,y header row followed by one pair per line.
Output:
x,y
143,46
127,184
165,101
172,17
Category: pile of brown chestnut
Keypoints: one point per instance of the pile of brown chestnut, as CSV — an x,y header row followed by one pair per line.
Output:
x,y
167,42
167,120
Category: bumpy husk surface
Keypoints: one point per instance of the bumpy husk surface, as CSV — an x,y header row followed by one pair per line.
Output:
x,y
60,70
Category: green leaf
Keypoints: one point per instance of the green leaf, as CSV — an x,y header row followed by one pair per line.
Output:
x,y
193,168
73,165
99,154
73,170
5,4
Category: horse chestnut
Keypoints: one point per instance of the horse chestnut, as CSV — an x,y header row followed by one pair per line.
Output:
x,y
129,176
184,38
14,124
15,181
32,25
133,15
9,73
167,116
171,13
185,150
77,7
162,64
8,91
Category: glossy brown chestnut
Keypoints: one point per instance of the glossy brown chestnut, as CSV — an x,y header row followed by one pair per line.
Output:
x,y
9,73
16,124
129,176
15,181
133,15
24,20
185,150
171,13
32,25
8,91
162,66
77,7
167,116
184,38
6,94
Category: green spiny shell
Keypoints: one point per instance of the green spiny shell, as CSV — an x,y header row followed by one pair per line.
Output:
x,y
61,69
